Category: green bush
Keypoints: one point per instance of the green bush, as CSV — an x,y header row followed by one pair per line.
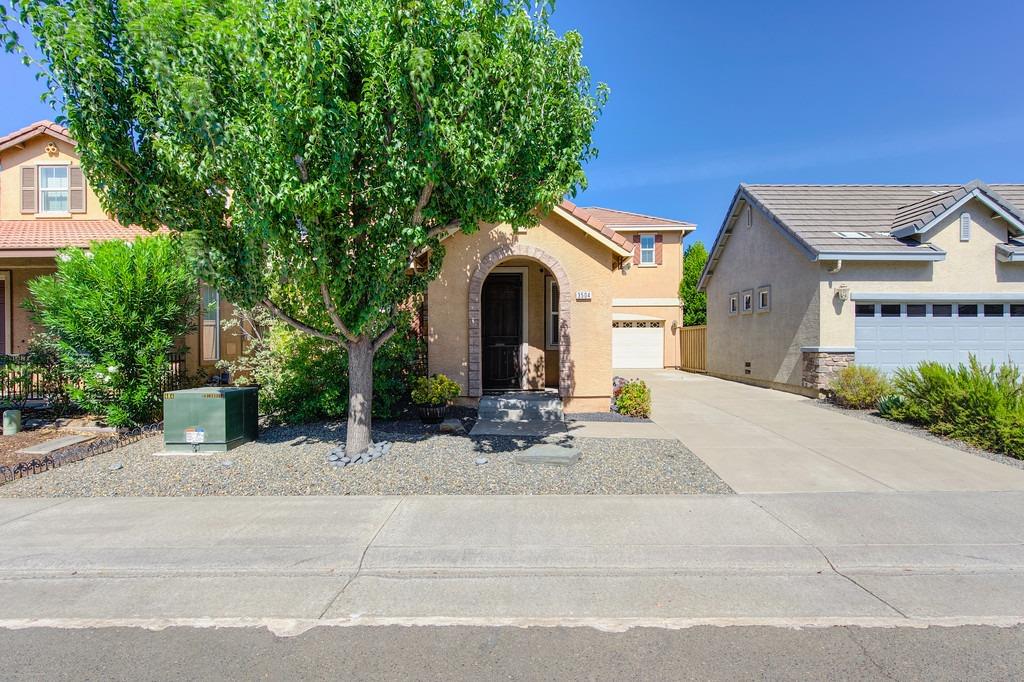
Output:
x,y
116,311
633,399
434,391
859,387
982,405
891,406
303,379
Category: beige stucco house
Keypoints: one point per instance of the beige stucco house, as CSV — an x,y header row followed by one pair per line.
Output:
x,y
46,204
561,306
805,279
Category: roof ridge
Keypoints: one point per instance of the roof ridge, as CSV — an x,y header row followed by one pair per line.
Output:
x,y
635,213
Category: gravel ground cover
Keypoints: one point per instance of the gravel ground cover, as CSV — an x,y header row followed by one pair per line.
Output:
x,y
602,417
293,461
873,416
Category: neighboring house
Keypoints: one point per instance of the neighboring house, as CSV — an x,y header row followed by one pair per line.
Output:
x,y
564,305
46,204
805,279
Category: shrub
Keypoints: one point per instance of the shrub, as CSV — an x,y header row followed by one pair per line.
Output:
x,y
633,399
303,379
116,311
979,404
892,406
435,391
859,387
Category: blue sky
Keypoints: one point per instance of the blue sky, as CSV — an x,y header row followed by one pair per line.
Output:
x,y
706,95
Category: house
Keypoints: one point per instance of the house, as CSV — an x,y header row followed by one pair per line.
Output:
x,y
561,306
46,204
805,279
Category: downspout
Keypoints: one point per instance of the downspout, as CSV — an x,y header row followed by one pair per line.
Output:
x,y
838,266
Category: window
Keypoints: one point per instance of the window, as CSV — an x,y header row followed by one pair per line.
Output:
x,y
993,310
965,227
553,334
865,310
916,309
734,303
942,310
647,250
967,310
764,299
53,189
210,331
748,301
1016,310
890,310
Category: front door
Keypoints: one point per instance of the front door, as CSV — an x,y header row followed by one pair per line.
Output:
x,y
502,308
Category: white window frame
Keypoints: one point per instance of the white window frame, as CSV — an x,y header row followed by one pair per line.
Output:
x,y
764,299
747,302
734,304
552,315
653,251
202,326
41,191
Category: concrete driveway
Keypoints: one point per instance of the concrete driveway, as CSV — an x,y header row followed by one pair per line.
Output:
x,y
764,441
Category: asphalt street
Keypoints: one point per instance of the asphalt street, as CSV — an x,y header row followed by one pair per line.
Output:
x,y
484,653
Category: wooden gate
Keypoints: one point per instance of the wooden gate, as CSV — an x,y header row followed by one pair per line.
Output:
x,y
693,343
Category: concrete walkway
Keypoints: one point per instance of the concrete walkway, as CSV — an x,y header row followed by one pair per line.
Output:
x,y
858,558
759,441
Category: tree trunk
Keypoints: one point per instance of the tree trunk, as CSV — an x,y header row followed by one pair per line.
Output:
x,y
360,396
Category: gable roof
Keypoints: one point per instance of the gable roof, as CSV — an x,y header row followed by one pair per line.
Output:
x,y
25,134
862,222
625,220
42,238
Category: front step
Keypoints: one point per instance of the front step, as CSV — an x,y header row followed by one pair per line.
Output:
x,y
521,407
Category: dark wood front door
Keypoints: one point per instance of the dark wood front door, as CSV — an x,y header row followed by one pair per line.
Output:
x,y
502,310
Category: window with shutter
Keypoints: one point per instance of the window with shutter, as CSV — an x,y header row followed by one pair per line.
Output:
x,y
28,189
77,190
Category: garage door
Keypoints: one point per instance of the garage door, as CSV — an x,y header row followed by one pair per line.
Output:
x,y
893,335
638,344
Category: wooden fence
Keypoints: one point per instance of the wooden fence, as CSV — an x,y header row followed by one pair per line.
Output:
x,y
693,348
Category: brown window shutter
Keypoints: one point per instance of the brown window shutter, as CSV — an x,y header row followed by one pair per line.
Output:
x,y
29,195
636,249
657,249
76,190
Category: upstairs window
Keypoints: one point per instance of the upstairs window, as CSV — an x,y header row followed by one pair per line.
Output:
x,y
211,324
53,189
647,250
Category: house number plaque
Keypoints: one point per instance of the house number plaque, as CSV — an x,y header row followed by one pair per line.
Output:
x,y
584,295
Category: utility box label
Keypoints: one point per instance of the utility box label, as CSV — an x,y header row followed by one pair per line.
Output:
x,y
195,435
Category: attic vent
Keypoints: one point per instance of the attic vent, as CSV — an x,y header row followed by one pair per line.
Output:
x,y
852,235
965,227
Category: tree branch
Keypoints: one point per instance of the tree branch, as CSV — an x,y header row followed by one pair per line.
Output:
x,y
288,319
453,225
383,338
333,312
417,215
300,163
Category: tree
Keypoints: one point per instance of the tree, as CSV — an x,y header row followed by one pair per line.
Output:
x,y
116,311
315,151
695,303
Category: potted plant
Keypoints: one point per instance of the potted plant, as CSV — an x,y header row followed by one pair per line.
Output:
x,y
432,395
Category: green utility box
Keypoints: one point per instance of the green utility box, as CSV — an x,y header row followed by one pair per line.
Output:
x,y
210,419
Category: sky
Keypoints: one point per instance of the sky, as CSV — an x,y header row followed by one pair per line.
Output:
x,y
705,95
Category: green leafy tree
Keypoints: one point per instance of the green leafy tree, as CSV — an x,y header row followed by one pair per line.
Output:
x,y
315,150
115,312
695,303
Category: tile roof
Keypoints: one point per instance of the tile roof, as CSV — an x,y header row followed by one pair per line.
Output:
x,y
829,220
37,128
592,221
615,218
50,235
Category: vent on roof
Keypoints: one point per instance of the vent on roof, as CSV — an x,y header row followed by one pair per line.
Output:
x,y
965,227
852,235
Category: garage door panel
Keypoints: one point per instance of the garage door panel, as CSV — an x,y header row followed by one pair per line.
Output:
x,y
638,345
892,342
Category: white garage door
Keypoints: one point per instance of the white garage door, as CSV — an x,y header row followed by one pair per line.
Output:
x,y
893,335
638,344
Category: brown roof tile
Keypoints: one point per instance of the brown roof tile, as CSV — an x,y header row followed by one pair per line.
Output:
x,y
50,235
37,128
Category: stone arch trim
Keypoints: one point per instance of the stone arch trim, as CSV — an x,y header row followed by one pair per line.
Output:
x,y
476,285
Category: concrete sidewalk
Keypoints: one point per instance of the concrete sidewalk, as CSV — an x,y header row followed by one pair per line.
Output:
x,y
860,558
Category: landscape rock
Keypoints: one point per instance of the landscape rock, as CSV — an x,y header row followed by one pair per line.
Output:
x,y
547,453
480,460
227,463
116,466
452,426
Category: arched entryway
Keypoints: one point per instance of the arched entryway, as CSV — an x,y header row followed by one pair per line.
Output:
x,y
476,285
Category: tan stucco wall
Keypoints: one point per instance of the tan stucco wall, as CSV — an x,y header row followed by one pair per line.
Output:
x,y
969,267
589,267
21,328
34,153
756,256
